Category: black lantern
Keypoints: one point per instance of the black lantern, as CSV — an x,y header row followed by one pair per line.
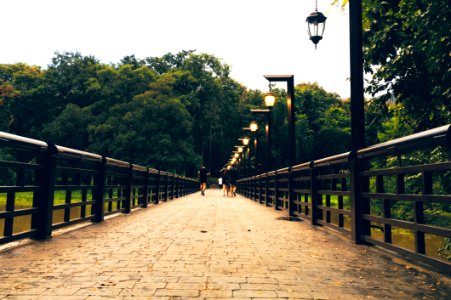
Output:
x,y
316,24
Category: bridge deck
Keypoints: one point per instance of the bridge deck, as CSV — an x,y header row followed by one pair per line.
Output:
x,y
209,247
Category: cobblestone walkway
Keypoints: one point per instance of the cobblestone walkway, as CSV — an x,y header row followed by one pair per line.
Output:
x,y
209,248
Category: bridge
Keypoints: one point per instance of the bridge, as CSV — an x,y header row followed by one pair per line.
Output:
x,y
209,247
102,227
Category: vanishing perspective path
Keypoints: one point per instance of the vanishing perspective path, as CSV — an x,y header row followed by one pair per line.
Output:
x,y
209,247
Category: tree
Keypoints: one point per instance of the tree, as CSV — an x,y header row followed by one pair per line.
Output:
x,y
406,50
70,128
70,78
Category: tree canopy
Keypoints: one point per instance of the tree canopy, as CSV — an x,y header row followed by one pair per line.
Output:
x,y
406,51
178,111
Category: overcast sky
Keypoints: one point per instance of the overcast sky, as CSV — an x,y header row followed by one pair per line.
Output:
x,y
254,37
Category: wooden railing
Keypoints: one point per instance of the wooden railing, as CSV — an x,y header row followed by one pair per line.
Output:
x,y
396,195
44,187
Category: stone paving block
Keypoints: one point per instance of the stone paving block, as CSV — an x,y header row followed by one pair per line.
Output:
x,y
195,279
260,286
227,279
177,293
18,297
60,291
62,297
223,286
255,294
262,280
295,294
186,286
216,293
99,291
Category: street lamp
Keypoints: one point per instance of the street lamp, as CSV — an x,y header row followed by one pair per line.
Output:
x,y
248,159
289,79
266,112
253,126
316,25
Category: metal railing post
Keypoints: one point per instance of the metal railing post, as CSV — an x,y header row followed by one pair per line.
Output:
x,y
359,228
276,191
166,182
266,189
313,194
99,193
145,197
42,221
128,191
290,193
158,188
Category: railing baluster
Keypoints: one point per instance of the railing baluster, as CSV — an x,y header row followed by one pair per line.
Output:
x,y
44,200
128,190
386,208
158,188
341,221
313,194
144,200
166,189
267,189
359,227
420,244
290,193
276,192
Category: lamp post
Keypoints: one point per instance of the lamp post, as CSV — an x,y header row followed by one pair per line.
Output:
x,y
289,79
266,112
359,227
241,161
245,142
254,127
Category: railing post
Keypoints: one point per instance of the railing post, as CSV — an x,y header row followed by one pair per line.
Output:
x,y
166,182
290,193
254,189
173,187
313,194
44,200
385,208
99,193
276,191
146,189
267,189
359,228
180,186
157,188
420,245
259,189
128,191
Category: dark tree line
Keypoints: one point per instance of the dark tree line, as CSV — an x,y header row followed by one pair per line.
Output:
x,y
182,110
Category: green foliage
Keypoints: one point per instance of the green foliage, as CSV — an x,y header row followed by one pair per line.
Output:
x,y
172,112
406,49
69,128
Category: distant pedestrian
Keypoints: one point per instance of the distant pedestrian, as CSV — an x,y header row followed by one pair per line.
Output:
x,y
225,183
203,175
233,177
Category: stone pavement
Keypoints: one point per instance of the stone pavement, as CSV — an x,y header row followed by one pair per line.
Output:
x,y
209,248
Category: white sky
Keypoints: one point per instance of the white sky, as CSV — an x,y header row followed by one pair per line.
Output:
x,y
254,37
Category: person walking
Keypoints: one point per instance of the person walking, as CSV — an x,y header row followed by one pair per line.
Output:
x,y
225,182
233,177
203,174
